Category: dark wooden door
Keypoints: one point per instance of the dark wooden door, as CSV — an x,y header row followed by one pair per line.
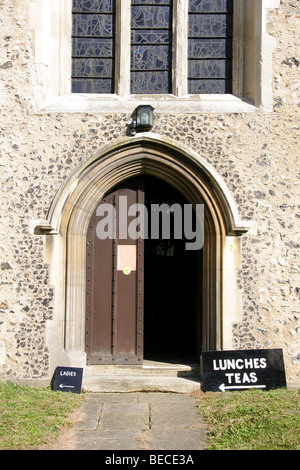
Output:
x,y
115,281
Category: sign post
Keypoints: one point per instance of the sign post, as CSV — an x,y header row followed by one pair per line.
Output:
x,y
68,379
243,370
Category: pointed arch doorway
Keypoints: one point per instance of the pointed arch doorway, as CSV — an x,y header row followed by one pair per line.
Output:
x,y
149,308
70,215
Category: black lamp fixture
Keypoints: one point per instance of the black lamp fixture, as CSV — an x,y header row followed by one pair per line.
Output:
x,y
142,119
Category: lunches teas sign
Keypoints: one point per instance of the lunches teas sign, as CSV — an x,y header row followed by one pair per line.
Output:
x,y
241,370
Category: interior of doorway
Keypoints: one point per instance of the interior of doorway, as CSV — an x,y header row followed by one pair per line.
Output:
x,y
173,287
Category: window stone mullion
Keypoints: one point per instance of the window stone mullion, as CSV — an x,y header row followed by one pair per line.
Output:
x,y
180,47
123,33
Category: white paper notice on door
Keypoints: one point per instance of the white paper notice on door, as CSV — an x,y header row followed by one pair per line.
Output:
x,y
126,258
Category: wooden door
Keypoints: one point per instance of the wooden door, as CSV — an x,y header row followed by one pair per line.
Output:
x,y
115,282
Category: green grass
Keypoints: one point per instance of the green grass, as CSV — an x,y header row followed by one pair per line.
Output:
x,y
252,420
32,417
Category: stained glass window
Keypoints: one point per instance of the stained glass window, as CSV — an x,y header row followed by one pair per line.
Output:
x,y
151,46
210,46
93,46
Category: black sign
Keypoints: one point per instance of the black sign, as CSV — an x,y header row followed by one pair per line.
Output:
x,y
68,379
241,370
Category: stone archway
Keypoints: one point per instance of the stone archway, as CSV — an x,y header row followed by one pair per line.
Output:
x,y
75,202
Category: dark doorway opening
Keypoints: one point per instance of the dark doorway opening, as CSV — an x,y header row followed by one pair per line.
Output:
x,y
163,279
172,284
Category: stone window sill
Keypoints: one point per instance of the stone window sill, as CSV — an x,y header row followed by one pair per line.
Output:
x,y
103,104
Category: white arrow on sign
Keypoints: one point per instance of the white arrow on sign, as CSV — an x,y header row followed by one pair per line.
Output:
x,y
66,386
223,388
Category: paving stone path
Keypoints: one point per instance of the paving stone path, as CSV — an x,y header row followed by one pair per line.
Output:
x,y
140,421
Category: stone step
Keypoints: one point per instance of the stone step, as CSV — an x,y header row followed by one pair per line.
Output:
x,y
129,383
148,368
170,376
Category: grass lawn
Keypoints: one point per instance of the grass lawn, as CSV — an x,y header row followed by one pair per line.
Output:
x,y
31,417
252,420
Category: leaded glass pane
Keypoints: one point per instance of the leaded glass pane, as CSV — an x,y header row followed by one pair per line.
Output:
x,y
209,86
210,46
150,37
150,16
91,85
211,6
150,82
92,68
212,26
93,47
151,46
150,58
93,6
93,44
93,25
209,68
206,48
151,2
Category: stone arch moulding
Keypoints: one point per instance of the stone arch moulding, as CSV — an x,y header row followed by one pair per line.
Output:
x,y
75,202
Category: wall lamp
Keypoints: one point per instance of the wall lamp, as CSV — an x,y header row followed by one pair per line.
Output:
x,y
142,119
